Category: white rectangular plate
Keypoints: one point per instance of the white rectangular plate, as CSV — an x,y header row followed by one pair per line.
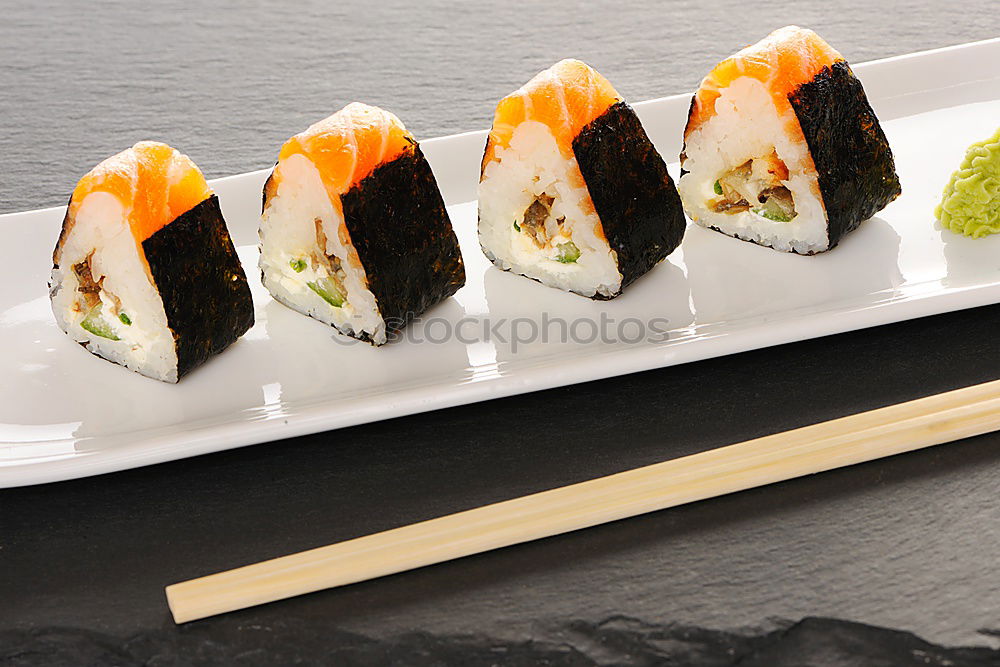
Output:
x,y
65,413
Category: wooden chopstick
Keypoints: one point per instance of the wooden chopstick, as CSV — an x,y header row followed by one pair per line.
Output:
x,y
841,442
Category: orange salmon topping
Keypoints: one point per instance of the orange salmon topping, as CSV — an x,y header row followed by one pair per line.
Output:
x,y
566,97
154,183
782,61
349,145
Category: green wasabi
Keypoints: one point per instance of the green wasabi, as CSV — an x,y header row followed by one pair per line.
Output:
x,y
971,201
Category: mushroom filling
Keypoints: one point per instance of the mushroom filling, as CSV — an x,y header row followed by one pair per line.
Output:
x,y
330,276
546,231
91,304
89,289
760,181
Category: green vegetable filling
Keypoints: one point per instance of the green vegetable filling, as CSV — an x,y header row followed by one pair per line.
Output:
x,y
95,323
568,253
517,226
772,213
717,188
329,291
125,319
298,265
970,204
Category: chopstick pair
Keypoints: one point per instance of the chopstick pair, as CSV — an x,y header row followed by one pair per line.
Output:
x,y
833,444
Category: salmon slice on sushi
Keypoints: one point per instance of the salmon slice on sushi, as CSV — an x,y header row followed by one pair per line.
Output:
x,y
145,273
354,232
783,149
572,192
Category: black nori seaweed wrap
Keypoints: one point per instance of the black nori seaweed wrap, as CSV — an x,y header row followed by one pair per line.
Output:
x,y
632,192
400,228
854,164
201,282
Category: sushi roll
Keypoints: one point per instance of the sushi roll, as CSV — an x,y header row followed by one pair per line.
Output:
x,y
572,192
354,231
144,273
782,148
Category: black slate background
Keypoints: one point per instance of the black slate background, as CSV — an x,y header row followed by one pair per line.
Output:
x,y
908,543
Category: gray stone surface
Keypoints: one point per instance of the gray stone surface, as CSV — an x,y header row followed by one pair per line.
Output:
x,y
227,82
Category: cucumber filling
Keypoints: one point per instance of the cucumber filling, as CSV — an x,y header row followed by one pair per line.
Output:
x,y
329,291
95,323
772,210
567,253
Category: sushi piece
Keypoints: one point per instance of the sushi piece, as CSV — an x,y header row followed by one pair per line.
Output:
x,y
782,148
572,192
144,273
354,231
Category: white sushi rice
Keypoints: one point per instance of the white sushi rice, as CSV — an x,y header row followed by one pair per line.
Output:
x,y
288,234
530,167
101,232
747,125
